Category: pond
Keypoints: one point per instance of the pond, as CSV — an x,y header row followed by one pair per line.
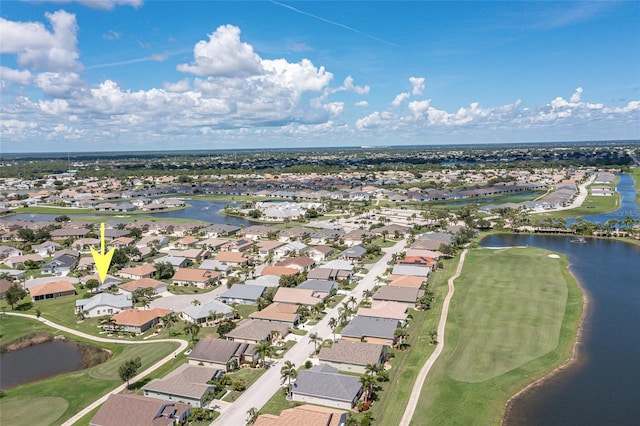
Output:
x,y
37,362
601,387
45,360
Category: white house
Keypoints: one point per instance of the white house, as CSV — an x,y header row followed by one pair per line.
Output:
x,y
104,304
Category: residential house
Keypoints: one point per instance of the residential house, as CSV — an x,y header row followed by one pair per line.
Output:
x,y
85,244
297,233
138,272
223,354
257,232
61,265
404,295
131,286
223,268
278,312
64,233
219,230
384,309
194,255
9,251
278,271
255,331
187,383
233,258
109,280
291,249
152,240
354,253
416,271
319,286
323,385
201,313
298,296
130,409
15,261
238,246
52,290
104,304
307,415
46,249
301,263
121,242
319,253
406,281
371,330
175,261
352,356
424,261
265,281
137,320
267,247
196,277
242,294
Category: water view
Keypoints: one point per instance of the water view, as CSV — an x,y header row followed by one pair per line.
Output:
x,y
601,387
39,362
628,206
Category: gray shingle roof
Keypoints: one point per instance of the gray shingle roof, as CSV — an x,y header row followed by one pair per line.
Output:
x,y
185,381
245,292
370,327
219,350
322,286
324,381
120,301
202,310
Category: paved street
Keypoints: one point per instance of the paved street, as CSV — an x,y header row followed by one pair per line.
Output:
x,y
264,388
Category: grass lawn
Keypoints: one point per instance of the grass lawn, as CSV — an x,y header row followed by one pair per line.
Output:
x,y
406,365
246,310
513,319
249,375
635,173
76,389
189,289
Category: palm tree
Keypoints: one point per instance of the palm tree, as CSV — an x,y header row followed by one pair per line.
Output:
x,y
315,339
367,294
252,413
195,302
169,320
333,324
353,301
367,383
193,329
288,372
263,349
400,334
371,369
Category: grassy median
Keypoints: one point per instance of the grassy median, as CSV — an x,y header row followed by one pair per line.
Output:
x,y
513,319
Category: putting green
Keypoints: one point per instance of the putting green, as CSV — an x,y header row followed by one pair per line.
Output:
x,y
49,409
509,310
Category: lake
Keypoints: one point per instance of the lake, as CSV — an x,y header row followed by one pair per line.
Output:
x,y
602,386
39,362
628,206
207,211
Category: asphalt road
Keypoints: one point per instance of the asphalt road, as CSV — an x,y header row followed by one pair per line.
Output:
x,y
269,383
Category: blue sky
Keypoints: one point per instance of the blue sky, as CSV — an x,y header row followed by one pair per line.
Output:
x,y
100,75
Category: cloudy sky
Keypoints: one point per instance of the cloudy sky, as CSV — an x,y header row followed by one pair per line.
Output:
x,y
104,75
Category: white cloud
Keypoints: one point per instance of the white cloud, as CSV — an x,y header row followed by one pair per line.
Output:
x,y
111,35
399,99
22,77
180,86
224,55
99,4
334,108
362,104
418,108
576,96
40,49
60,85
417,85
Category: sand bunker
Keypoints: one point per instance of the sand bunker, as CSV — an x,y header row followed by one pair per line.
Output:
x,y
553,256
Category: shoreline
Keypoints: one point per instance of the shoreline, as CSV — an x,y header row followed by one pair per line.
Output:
x,y
565,365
